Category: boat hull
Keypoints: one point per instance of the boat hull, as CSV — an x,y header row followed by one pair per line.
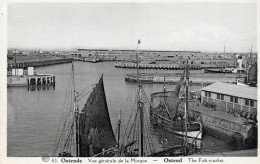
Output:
x,y
194,130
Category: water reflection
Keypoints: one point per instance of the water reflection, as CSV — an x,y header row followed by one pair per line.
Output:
x,y
40,87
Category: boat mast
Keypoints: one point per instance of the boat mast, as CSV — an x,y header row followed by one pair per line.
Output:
x,y
164,89
139,103
119,127
76,111
247,69
186,104
15,53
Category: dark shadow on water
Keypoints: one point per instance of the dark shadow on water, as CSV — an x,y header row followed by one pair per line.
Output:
x,y
41,88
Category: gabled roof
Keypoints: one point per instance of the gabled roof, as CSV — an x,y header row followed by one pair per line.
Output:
x,y
233,90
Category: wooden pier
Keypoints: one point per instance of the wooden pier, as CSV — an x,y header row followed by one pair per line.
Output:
x,y
31,80
41,80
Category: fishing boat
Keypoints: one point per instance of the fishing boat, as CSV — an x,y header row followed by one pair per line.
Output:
x,y
138,138
87,132
167,115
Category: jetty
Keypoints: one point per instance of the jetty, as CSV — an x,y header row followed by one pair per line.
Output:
x,y
195,78
24,63
22,78
156,66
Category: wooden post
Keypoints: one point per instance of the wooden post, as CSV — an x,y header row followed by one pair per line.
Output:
x,y
29,82
41,81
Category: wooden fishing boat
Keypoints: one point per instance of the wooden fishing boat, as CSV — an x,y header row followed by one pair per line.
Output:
x,y
166,114
89,131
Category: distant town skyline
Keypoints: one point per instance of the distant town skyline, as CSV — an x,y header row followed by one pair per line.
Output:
x,y
205,27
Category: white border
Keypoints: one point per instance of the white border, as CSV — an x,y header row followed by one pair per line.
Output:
x,y
3,89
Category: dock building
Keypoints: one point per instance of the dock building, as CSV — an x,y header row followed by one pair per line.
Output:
x,y
231,98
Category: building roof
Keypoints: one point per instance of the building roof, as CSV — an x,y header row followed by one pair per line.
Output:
x,y
233,90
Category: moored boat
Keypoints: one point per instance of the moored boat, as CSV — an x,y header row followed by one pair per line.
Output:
x,y
87,132
166,115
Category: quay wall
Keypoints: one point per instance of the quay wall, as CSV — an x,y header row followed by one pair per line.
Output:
x,y
174,78
38,62
156,66
18,81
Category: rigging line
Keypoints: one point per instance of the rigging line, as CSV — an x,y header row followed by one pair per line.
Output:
x,y
82,96
133,124
148,131
86,88
69,99
64,134
134,130
147,136
68,136
69,142
73,141
132,110
145,96
67,114
56,138
57,141
138,130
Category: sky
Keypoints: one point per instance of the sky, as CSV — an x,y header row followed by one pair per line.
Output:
x,y
160,26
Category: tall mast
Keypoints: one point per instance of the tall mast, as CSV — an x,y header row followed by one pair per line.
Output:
x,y
76,111
15,53
119,127
186,104
164,89
139,103
247,69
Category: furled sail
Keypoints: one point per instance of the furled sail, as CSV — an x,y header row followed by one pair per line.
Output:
x,y
96,133
173,101
252,74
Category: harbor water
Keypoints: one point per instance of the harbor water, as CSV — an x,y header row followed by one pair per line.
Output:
x,y
34,115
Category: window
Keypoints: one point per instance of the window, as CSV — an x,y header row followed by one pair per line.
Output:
x,y
209,94
218,96
236,100
252,103
231,98
247,102
206,95
222,97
